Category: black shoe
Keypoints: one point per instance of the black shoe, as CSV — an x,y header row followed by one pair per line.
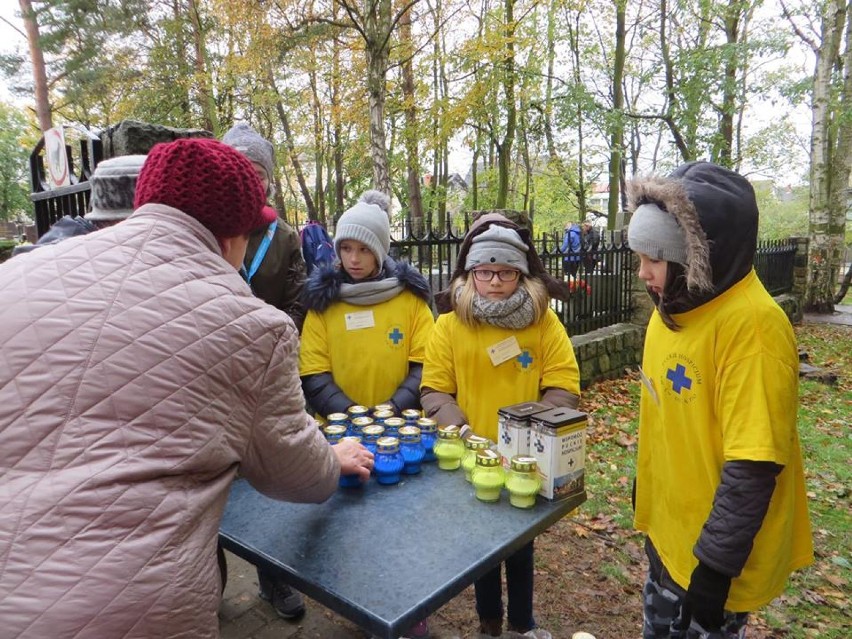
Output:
x,y
288,603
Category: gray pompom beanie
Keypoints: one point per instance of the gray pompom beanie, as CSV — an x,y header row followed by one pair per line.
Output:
x,y
657,234
113,185
367,222
498,245
254,146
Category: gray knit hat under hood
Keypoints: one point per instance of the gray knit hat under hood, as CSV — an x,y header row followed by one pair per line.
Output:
x,y
367,222
716,210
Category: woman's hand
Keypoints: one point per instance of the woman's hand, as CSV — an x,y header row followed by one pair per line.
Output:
x,y
354,459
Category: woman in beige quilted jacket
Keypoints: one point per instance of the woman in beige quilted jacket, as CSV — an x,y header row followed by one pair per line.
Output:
x,y
138,374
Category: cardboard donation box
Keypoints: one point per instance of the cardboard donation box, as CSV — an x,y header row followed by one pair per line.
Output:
x,y
558,443
513,429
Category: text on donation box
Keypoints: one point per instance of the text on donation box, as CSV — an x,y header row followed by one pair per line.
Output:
x,y
558,443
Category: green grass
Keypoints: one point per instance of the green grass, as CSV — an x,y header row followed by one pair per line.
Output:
x,y
816,601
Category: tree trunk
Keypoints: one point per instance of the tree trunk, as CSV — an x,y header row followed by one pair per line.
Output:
x,y
207,100
822,258
291,151
377,34
319,155
415,200
43,110
504,150
617,132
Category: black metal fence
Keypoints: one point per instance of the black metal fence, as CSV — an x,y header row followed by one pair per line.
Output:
x,y
603,281
52,203
774,262
601,286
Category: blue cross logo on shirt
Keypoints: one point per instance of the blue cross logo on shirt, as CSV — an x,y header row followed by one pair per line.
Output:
x,y
678,378
525,359
395,336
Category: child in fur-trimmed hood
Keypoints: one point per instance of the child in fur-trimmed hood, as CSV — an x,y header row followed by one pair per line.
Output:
x,y
719,482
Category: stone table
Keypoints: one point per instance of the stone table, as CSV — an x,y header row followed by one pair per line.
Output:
x,y
384,557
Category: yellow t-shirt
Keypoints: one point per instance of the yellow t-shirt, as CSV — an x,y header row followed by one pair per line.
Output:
x,y
458,363
366,348
725,387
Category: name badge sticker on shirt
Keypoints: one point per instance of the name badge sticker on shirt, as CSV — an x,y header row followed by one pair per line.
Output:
x,y
361,319
504,350
650,386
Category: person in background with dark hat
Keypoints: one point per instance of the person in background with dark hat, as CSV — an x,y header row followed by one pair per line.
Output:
x,y
139,375
720,489
275,270
273,266
113,186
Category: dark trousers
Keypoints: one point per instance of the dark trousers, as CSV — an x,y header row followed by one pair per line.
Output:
x,y
519,589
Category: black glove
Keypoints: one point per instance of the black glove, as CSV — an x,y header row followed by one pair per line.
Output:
x,y
705,598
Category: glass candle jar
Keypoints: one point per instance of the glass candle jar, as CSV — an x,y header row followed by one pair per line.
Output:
x,y
370,436
392,426
472,445
350,481
383,407
428,434
388,462
357,411
339,419
523,481
488,476
379,416
449,448
411,449
411,415
358,424
334,432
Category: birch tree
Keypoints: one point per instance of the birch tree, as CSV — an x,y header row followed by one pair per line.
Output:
x,y
831,148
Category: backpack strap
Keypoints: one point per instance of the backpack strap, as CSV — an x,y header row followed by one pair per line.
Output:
x,y
261,250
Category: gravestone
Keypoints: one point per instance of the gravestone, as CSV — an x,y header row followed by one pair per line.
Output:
x,y
130,137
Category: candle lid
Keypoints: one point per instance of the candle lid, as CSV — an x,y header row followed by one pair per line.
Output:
x,y
409,434
449,432
337,417
475,442
387,445
487,458
523,464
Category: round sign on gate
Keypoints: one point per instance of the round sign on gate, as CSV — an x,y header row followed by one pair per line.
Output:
x,y
57,162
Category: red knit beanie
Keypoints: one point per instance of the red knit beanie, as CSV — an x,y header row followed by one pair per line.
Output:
x,y
207,180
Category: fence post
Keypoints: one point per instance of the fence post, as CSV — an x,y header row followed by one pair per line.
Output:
x,y
800,267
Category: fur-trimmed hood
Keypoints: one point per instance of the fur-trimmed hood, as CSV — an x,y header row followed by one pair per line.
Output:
x,y
322,287
556,288
717,210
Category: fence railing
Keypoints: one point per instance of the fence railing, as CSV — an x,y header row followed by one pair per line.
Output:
x,y
774,262
601,286
604,279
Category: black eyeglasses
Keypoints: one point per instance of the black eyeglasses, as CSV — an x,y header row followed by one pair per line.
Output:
x,y
484,275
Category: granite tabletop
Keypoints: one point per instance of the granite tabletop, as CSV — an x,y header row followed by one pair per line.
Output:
x,y
384,556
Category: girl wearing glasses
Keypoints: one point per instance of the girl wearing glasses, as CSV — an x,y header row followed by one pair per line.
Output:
x,y
498,343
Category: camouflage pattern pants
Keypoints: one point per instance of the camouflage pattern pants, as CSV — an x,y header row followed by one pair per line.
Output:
x,y
662,606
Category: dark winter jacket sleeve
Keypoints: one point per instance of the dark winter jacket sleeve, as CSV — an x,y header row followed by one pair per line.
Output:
x,y
324,395
741,502
407,395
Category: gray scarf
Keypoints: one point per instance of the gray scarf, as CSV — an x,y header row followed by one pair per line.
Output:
x,y
372,292
515,312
